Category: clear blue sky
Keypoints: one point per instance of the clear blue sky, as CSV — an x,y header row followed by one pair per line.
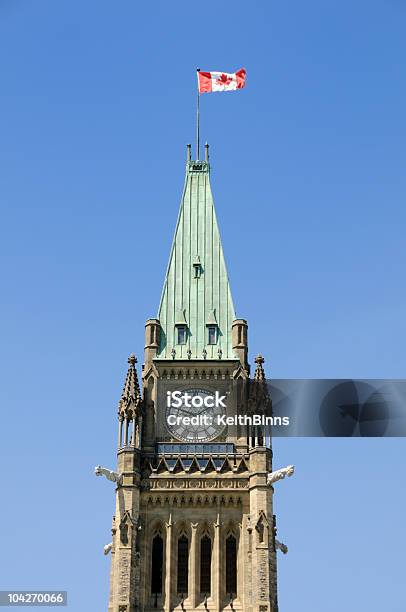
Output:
x,y
308,170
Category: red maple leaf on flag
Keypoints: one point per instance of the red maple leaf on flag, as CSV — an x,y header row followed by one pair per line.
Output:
x,y
224,80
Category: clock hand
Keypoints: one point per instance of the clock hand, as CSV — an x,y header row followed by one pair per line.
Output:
x,y
201,412
184,411
189,413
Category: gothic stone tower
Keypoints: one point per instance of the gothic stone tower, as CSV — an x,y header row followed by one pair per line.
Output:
x,y
194,527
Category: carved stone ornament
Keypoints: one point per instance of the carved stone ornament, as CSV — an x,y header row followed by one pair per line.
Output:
x,y
262,528
280,474
197,483
280,546
109,474
126,523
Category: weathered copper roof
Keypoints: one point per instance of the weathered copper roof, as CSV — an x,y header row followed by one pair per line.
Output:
x,y
202,293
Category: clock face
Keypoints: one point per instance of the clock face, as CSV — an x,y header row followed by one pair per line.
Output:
x,y
192,417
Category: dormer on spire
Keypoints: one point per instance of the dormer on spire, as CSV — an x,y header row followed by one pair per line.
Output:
x,y
129,408
197,267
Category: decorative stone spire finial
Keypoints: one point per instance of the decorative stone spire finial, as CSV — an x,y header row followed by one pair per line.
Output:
x,y
130,396
130,408
259,390
259,370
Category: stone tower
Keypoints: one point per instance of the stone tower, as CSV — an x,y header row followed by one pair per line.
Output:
x,y
194,527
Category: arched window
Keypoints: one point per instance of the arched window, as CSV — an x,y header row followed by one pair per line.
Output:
x,y
183,565
231,565
157,562
205,565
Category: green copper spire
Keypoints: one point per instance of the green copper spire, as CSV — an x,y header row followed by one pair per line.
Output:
x,y
196,310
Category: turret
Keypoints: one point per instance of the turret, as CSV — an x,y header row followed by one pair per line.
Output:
x,y
152,332
240,341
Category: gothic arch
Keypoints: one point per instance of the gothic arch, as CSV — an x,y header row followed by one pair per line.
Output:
x,y
182,560
182,528
156,546
157,527
205,558
231,563
262,529
205,528
231,528
233,560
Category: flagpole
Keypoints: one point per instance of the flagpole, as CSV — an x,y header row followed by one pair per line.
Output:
x,y
198,119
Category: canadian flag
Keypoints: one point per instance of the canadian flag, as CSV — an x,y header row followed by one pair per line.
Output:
x,y
220,81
